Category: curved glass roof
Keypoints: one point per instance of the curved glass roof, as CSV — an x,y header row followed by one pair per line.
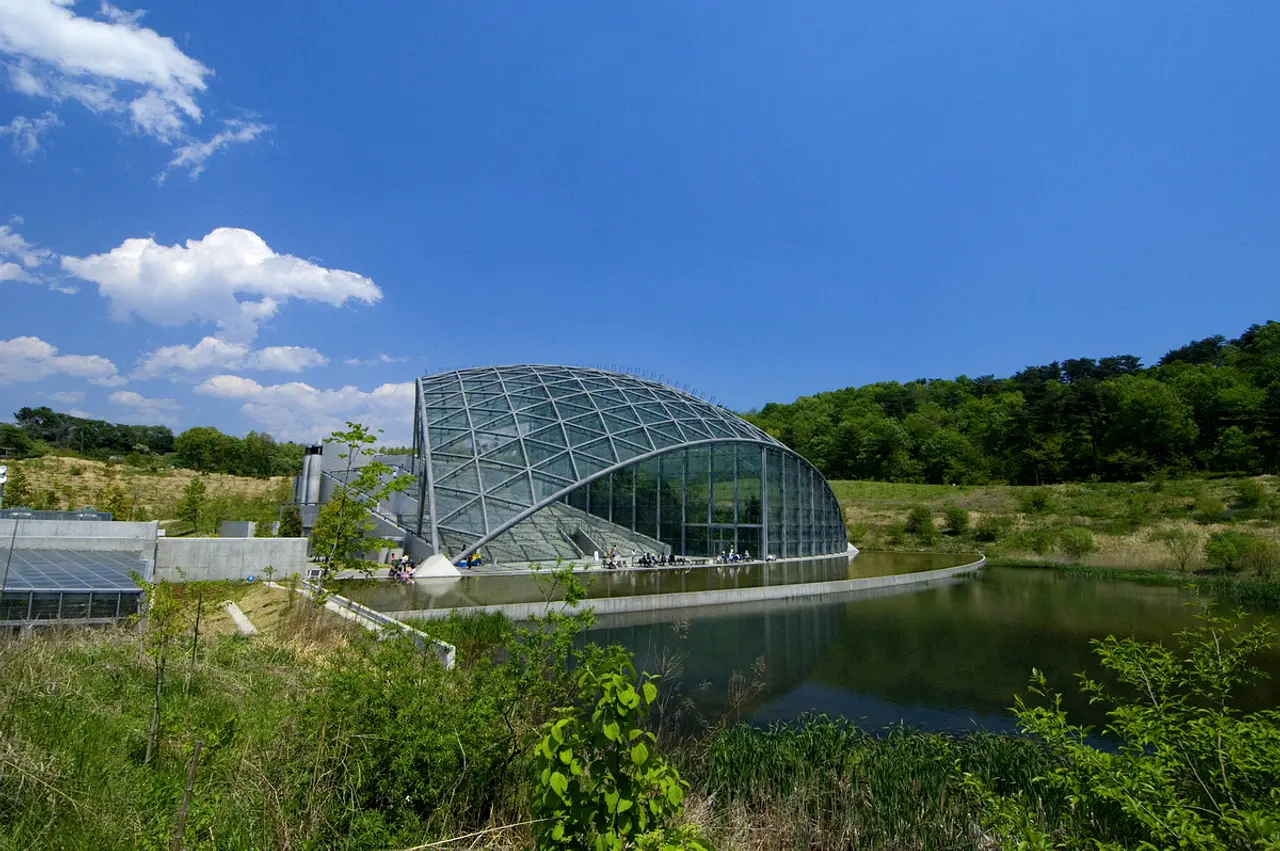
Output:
x,y
501,442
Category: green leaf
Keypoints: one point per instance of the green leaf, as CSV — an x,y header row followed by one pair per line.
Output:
x,y
650,692
612,731
566,756
639,753
559,783
675,794
624,805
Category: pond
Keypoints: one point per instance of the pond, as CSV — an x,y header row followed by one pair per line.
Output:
x,y
946,657
490,589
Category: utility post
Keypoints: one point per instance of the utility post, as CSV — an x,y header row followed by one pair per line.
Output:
x,y
4,476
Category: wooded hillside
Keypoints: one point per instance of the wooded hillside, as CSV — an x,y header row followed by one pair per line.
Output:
x,y
1212,405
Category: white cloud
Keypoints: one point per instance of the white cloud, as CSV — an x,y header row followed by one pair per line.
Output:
x,y
214,354
68,397
192,156
152,410
110,64
130,399
32,359
204,279
22,261
13,246
297,411
382,357
26,133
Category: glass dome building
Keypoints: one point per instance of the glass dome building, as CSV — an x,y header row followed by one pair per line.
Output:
x,y
534,463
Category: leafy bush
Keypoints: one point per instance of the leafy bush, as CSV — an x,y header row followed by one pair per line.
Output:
x,y
1226,549
1250,493
955,519
1036,501
990,528
920,521
1076,541
858,532
1208,508
1189,772
601,782
1261,556
1182,544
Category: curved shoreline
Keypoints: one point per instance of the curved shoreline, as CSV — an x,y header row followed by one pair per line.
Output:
x,y
652,602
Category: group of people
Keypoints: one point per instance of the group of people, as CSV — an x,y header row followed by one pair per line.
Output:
x,y
613,561
401,569
660,560
732,556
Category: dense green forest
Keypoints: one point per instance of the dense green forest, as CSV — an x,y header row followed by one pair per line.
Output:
x,y
39,431
1212,405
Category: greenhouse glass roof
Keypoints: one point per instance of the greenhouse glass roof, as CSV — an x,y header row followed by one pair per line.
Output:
x,y
498,443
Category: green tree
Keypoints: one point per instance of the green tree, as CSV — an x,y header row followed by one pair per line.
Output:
x,y
291,522
16,441
115,499
342,530
956,519
194,499
1182,544
198,449
17,490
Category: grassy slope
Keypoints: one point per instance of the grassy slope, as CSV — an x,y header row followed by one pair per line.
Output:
x,y
78,481
1121,516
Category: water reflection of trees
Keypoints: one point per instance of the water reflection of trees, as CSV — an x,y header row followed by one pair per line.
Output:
x,y
965,647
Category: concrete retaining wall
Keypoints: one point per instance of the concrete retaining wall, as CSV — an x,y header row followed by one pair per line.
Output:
x,y
228,558
119,537
652,602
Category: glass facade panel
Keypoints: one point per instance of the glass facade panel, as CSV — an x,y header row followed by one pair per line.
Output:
x,y
723,483
624,495
697,489
648,475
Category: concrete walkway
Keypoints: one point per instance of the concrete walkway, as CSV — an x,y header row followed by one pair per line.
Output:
x,y
243,625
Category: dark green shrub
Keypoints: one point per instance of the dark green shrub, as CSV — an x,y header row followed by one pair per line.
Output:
x,y
990,528
1208,508
1261,556
1040,540
1250,493
1036,501
920,521
1226,549
955,519
1076,541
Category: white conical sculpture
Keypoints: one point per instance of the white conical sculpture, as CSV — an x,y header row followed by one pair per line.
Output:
x,y
436,565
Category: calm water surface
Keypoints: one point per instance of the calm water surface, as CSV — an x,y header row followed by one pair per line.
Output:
x,y
522,587
944,657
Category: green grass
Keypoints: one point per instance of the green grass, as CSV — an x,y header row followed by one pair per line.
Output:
x,y
821,782
848,491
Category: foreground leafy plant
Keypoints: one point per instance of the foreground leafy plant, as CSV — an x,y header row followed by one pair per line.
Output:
x,y
601,784
1190,771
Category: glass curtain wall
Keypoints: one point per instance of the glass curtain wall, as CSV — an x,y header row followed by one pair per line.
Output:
x,y
716,498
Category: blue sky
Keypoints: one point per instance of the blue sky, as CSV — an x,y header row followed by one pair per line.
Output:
x,y
249,217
